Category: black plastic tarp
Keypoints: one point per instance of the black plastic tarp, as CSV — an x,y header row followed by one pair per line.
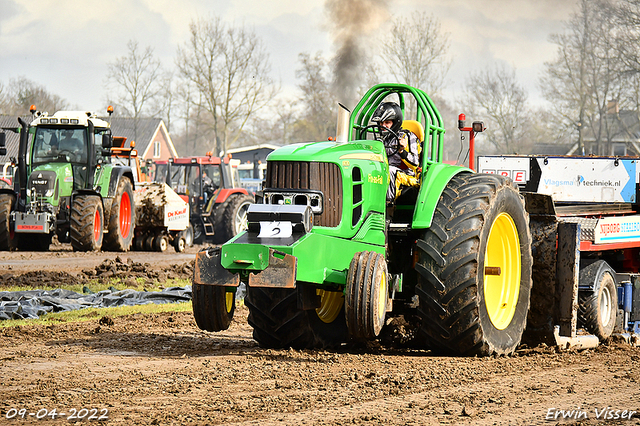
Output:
x,y
34,303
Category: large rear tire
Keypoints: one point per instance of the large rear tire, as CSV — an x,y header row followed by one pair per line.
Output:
x,y
597,308
8,239
278,322
213,307
233,219
474,268
276,319
87,220
121,218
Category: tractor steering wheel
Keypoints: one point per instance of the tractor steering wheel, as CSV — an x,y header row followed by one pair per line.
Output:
x,y
391,149
69,155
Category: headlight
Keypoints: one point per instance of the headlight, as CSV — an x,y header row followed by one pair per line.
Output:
x,y
48,193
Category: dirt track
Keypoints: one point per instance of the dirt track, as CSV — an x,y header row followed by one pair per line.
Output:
x,y
161,369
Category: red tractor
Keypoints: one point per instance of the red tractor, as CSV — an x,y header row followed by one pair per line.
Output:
x,y
217,204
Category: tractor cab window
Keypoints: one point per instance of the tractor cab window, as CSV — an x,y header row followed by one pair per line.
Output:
x,y
211,176
59,144
160,173
97,146
177,179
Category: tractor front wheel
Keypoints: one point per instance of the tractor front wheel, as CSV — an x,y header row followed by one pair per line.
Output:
x,y
121,218
213,307
87,220
367,295
474,268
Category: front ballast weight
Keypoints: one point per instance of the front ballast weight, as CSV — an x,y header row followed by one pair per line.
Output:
x,y
257,265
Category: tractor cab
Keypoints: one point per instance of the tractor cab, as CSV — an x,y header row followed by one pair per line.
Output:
x,y
209,184
198,180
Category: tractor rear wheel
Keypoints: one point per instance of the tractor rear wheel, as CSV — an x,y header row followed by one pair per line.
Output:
x,y
121,218
474,268
8,239
188,235
213,307
597,308
233,219
87,220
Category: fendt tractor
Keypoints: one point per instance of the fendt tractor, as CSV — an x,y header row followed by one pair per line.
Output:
x,y
65,185
325,260
217,205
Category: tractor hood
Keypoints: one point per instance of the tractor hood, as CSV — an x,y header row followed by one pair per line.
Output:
x,y
51,181
330,151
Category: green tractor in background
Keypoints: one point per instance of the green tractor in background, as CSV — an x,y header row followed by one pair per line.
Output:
x,y
65,185
326,261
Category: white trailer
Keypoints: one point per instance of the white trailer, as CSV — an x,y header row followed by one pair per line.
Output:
x,y
162,218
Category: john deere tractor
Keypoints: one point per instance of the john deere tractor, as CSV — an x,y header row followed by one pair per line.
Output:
x,y
65,184
326,260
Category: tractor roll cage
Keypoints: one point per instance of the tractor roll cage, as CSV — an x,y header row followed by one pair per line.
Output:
x,y
426,113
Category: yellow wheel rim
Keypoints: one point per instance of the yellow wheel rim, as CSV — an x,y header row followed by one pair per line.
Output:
x,y
229,301
330,305
382,297
502,271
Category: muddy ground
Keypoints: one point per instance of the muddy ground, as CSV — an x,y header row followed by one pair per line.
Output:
x,y
161,369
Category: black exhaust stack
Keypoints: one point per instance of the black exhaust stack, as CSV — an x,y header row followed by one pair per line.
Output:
x,y
22,164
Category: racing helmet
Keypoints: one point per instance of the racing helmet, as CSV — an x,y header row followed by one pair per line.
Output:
x,y
388,111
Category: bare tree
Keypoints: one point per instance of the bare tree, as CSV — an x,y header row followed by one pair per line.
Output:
x,y
496,96
415,52
587,73
317,102
230,68
135,80
162,105
18,96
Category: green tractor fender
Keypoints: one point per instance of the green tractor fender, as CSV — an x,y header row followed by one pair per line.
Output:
x,y
114,179
434,180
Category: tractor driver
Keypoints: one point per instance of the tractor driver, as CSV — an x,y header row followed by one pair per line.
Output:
x,y
401,146
71,145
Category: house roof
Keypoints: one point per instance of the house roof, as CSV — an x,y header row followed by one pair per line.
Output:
x,y
12,139
142,130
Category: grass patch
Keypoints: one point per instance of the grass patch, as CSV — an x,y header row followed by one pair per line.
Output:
x,y
89,314
95,285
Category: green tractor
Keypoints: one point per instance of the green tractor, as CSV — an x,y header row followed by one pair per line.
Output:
x,y
65,185
326,261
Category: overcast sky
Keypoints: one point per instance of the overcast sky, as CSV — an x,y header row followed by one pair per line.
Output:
x,y
66,45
